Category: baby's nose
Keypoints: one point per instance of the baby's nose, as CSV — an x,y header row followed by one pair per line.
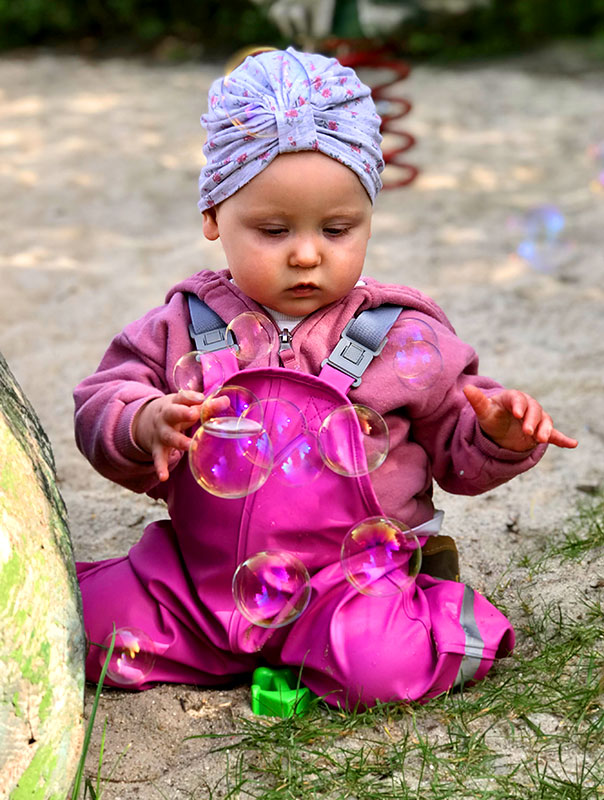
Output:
x,y
305,252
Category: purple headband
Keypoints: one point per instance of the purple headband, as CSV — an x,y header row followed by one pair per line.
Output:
x,y
284,102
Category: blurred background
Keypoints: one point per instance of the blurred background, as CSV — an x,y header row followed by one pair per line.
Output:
x,y
436,30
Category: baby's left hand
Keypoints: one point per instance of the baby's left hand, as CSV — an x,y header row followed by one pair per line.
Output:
x,y
515,420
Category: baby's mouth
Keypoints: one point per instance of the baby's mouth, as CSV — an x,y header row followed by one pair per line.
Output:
x,y
301,289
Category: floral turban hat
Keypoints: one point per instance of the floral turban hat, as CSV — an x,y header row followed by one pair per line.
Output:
x,y
284,102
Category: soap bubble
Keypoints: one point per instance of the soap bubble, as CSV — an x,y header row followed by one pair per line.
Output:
x,y
255,116
231,456
242,402
133,656
411,329
283,420
342,431
271,588
380,556
254,334
197,372
300,463
542,245
418,364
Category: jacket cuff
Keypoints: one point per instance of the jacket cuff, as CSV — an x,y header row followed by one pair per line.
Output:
x,y
492,450
124,440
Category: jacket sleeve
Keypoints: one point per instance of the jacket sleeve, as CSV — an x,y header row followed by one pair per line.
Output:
x,y
133,371
464,460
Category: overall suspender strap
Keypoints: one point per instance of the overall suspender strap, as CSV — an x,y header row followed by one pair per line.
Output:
x,y
207,329
361,341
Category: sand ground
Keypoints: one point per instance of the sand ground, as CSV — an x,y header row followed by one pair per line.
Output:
x,y
98,219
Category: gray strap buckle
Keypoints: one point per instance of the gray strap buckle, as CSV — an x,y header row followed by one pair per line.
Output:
x,y
212,340
351,357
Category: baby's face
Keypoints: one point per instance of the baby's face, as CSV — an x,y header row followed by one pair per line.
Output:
x,y
295,236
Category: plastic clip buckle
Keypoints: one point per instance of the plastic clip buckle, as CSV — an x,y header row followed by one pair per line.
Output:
x,y
351,357
210,341
276,693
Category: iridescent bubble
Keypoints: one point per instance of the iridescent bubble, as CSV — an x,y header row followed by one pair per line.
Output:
x,y
241,402
197,372
411,329
133,656
542,245
271,588
255,116
300,463
354,440
418,364
254,334
231,456
380,556
283,421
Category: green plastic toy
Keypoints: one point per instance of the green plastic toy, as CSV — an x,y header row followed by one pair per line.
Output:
x,y
277,693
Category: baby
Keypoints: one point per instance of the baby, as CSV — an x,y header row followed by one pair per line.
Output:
x,y
293,168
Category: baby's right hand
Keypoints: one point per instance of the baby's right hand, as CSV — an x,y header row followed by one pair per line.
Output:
x,y
158,425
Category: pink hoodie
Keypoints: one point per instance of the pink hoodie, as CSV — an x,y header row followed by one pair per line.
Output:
x,y
433,434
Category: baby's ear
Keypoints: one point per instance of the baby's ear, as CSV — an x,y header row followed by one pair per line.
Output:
x,y
210,224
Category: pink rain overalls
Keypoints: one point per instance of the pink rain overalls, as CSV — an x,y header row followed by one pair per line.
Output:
x,y
175,584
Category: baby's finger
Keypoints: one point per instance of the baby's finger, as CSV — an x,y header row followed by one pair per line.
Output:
x,y
561,440
174,440
544,429
190,398
160,462
214,406
533,415
518,403
479,401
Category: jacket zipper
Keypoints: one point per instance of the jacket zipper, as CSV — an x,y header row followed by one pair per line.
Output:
x,y
285,339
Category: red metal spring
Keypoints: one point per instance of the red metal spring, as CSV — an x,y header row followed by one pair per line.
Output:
x,y
378,59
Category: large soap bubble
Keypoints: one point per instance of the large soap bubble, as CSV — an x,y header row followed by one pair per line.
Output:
x,y
271,588
283,420
197,372
417,360
300,463
418,364
254,335
241,402
354,440
380,556
133,656
231,456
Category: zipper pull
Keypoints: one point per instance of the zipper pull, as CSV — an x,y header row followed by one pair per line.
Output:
x,y
285,339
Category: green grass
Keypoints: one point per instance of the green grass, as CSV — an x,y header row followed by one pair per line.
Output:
x,y
533,729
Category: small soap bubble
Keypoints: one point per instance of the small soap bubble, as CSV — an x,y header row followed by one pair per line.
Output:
x,y
300,463
133,656
283,421
271,588
380,557
418,364
541,243
341,433
254,335
231,456
197,372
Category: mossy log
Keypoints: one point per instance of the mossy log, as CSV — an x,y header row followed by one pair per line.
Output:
x,y
41,630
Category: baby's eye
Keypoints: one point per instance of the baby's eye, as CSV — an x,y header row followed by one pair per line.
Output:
x,y
273,231
335,231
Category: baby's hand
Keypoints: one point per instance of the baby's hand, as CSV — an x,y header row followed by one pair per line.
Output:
x,y
158,426
515,420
